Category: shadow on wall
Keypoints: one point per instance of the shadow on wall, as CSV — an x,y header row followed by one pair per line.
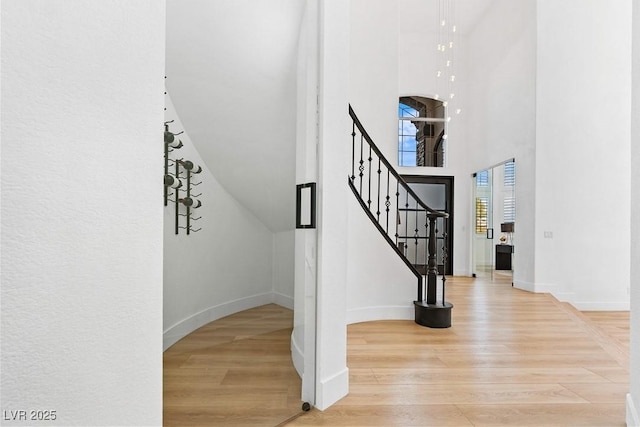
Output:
x,y
226,267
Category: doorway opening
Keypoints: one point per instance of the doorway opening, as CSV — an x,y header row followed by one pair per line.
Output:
x,y
493,228
437,193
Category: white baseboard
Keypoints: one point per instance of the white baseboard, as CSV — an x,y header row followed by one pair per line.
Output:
x,y
297,355
332,389
283,300
632,414
563,296
590,305
571,296
191,323
368,314
540,288
602,306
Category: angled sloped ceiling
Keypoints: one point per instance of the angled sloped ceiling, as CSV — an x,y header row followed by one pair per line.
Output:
x,y
230,69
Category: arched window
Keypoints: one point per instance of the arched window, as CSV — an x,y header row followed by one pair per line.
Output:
x,y
421,132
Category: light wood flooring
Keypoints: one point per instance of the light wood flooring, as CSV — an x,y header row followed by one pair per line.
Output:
x,y
511,358
236,371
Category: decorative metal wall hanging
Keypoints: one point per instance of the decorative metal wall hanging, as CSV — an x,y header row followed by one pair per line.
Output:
x,y
179,183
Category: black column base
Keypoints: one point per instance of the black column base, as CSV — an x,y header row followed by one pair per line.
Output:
x,y
432,315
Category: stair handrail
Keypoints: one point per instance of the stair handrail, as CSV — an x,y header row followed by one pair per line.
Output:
x,y
431,215
384,160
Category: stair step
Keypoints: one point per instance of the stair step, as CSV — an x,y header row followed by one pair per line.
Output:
x,y
433,315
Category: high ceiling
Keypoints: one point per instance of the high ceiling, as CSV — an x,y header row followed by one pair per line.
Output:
x,y
421,16
231,75
230,68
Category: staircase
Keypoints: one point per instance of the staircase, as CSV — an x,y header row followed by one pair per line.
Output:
x,y
404,221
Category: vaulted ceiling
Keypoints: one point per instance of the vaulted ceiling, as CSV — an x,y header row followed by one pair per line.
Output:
x,y
231,75
420,16
230,67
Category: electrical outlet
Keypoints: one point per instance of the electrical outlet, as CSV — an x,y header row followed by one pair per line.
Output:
x,y
548,234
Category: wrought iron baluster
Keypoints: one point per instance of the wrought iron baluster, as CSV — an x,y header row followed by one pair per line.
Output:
x,y
430,309
406,223
387,203
426,236
423,283
369,197
353,150
379,172
397,210
361,168
444,262
432,271
415,258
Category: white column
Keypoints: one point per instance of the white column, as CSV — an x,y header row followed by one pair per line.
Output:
x,y
332,379
303,339
633,398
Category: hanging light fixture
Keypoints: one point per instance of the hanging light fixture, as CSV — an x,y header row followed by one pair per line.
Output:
x,y
446,47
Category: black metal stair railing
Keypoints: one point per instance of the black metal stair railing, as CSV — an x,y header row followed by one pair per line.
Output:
x,y
403,219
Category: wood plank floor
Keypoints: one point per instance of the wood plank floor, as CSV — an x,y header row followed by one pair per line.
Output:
x,y
236,371
511,358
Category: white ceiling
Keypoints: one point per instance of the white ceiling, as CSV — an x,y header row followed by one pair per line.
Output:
x,y
230,68
421,16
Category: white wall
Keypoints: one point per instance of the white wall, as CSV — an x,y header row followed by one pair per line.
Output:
x,y
81,212
386,62
332,373
231,73
373,71
417,66
582,152
303,338
633,399
500,111
381,286
283,267
226,267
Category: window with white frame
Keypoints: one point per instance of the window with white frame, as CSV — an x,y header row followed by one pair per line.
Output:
x,y
509,204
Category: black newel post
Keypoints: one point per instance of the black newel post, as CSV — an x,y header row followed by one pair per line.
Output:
x,y
433,311
432,263
430,313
